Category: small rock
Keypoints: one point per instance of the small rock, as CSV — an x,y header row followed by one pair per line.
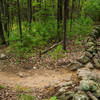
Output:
x,y
89,65
80,96
97,63
89,44
91,49
62,90
88,54
83,59
3,56
34,67
64,84
21,75
97,93
94,76
83,73
88,85
75,65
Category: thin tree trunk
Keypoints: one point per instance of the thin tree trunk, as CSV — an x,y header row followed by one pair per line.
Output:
x,y
66,5
1,32
59,19
29,11
71,15
19,19
6,14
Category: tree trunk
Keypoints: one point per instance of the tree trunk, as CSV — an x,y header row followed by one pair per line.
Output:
x,y
59,19
29,11
19,20
71,15
6,14
66,9
1,32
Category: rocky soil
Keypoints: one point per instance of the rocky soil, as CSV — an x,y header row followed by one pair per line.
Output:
x,y
88,73
81,82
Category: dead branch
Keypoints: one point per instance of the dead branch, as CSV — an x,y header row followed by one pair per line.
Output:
x,y
92,96
52,47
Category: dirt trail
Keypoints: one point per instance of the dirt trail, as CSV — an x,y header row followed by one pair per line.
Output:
x,y
37,79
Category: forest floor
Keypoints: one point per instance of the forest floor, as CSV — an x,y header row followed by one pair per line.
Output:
x,y
40,77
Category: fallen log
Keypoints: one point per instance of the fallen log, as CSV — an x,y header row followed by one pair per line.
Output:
x,y
47,50
92,96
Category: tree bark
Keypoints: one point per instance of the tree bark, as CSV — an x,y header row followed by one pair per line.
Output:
x,y
29,11
59,19
71,15
1,32
19,20
66,9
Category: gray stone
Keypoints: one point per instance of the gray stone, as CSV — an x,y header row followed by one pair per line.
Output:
x,y
88,85
75,65
89,65
62,90
97,93
91,49
98,43
89,44
64,84
97,62
88,54
66,96
94,76
3,56
83,73
20,74
90,39
80,96
83,59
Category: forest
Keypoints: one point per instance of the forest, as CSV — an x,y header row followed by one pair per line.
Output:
x,y
49,49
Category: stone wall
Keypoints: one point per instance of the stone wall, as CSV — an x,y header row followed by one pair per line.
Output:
x,y
88,85
91,54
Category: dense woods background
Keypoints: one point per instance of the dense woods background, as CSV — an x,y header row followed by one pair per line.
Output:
x,y
29,24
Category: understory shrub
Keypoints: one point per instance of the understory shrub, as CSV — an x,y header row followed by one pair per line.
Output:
x,y
80,27
29,97
41,34
92,9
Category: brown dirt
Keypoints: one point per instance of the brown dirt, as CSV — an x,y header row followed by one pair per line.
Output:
x,y
37,79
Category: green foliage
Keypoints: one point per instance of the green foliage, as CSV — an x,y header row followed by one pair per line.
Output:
x,y
58,52
39,35
25,97
2,86
92,8
80,27
29,97
53,98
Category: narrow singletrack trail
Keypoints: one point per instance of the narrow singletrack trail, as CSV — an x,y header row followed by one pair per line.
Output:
x,y
35,79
